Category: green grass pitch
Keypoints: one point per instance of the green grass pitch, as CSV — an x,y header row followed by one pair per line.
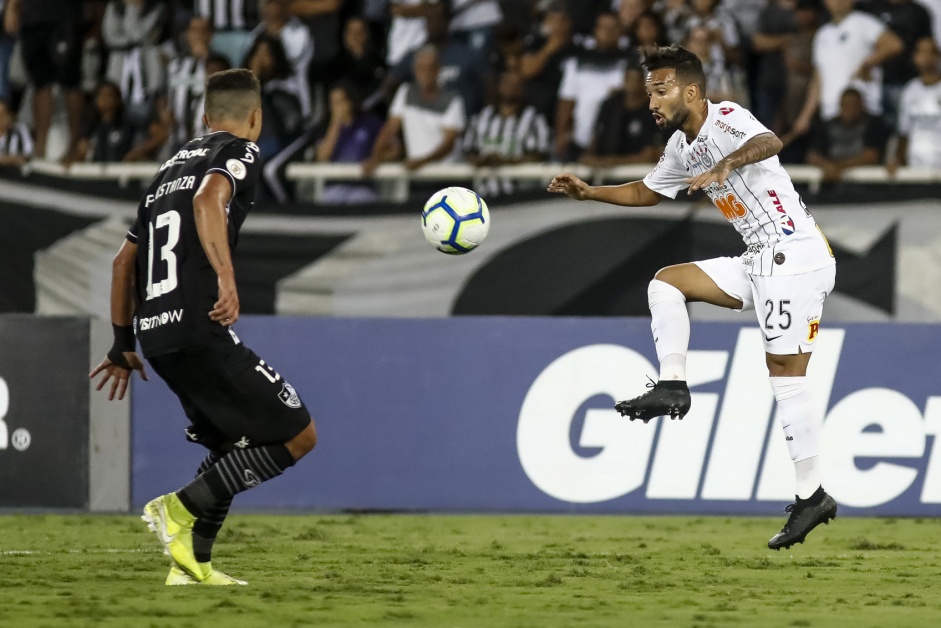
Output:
x,y
316,570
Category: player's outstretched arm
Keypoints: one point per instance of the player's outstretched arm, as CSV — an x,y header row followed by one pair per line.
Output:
x,y
756,149
209,205
635,194
122,359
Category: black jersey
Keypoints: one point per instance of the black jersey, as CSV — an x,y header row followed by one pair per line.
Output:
x,y
175,285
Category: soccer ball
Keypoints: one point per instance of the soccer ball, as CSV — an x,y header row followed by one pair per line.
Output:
x,y
455,220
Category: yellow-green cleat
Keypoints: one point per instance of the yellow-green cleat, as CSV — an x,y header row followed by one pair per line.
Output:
x,y
214,578
169,519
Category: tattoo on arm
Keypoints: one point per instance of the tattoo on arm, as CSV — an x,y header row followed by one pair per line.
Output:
x,y
219,258
756,149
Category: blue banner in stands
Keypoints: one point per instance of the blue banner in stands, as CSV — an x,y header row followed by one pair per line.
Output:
x,y
515,415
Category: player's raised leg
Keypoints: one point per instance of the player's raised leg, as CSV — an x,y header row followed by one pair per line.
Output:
x,y
667,295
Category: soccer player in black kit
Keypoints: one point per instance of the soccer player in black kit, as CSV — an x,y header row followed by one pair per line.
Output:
x,y
173,278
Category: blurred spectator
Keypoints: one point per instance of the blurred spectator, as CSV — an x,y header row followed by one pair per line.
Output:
x,y
777,25
625,132
131,30
746,14
919,127
16,144
853,138
798,59
587,80
232,24
474,22
6,52
506,133
52,50
584,13
911,22
721,82
105,137
277,21
648,30
358,62
322,18
510,49
629,11
186,78
280,107
463,69
848,51
152,145
407,31
675,14
430,118
721,28
348,137
541,64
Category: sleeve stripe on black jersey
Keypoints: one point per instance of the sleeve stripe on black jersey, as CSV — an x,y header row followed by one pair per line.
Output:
x,y
131,236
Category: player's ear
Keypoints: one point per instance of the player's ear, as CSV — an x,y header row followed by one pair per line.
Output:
x,y
206,120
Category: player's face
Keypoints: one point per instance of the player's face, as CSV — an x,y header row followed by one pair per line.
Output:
x,y
667,99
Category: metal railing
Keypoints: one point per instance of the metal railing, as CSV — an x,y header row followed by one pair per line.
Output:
x,y
394,179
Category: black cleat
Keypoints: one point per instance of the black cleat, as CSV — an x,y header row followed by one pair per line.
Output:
x,y
665,398
805,515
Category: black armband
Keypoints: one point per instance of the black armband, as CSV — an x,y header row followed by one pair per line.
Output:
x,y
123,341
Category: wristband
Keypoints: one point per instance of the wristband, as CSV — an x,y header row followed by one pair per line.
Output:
x,y
123,341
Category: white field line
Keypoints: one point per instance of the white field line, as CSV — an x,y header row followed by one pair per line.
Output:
x,y
78,551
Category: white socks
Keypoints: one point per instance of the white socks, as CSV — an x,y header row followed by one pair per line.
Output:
x,y
801,429
670,326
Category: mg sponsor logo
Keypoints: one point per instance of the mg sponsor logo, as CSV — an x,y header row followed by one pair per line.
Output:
x,y
574,447
159,320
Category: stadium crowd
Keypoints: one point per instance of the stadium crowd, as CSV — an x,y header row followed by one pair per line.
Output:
x,y
489,82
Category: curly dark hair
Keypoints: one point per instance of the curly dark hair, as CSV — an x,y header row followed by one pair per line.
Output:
x,y
687,66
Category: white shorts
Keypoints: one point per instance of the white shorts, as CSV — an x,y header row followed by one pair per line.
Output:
x,y
789,307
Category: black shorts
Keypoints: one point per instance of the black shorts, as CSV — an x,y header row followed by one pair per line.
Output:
x,y
52,52
231,396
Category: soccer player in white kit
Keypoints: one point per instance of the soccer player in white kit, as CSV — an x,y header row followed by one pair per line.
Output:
x,y
784,275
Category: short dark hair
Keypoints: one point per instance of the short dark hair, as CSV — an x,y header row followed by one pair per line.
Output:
x,y
687,65
232,94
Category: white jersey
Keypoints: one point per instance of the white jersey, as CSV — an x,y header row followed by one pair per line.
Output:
x,y
920,121
758,199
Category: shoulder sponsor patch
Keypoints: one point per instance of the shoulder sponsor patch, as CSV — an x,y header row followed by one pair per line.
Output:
x,y
236,168
726,110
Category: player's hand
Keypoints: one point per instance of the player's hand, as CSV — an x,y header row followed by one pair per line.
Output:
x,y
226,310
118,375
717,174
571,186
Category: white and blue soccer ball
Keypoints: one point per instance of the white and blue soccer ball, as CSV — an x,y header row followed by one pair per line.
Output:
x,y
455,220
